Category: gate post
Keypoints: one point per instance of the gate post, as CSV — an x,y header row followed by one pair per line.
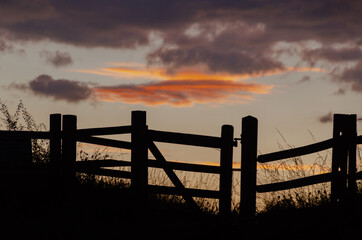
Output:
x,y
139,158
339,158
352,145
249,145
55,142
226,162
69,148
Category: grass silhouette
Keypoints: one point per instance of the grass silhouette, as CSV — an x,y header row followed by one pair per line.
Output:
x,y
101,207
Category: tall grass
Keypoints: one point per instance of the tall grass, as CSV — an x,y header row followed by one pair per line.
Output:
x,y
22,120
294,168
283,170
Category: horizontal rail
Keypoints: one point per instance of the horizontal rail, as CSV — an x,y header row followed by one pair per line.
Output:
x,y
184,138
185,166
25,134
359,175
359,140
102,163
105,142
105,172
104,131
301,182
187,191
300,151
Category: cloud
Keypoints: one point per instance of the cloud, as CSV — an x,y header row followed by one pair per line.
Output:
x,y
233,36
60,89
304,79
5,46
172,92
57,59
181,92
230,47
333,54
198,72
353,76
326,118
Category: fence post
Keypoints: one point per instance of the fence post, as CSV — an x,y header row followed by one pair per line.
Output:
x,y
249,144
69,148
226,162
139,158
55,142
352,168
339,158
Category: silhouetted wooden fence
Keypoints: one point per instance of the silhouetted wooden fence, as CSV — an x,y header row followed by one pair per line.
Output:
x,y
343,176
64,135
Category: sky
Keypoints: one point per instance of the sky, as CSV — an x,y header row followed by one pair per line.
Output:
x,y
192,65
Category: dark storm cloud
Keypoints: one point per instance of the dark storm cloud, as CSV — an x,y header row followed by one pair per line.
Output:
x,y
57,59
128,23
232,36
230,47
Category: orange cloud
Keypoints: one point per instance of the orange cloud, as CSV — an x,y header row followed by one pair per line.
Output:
x,y
125,70
182,92
161,74
183,87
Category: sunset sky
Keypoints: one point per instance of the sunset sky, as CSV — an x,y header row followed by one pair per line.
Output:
x,y
192,65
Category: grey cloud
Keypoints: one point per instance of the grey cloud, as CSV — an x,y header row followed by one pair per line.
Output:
x,y
326,118
235,36
230,47
333,54
57,59
352,76
304,79
60,89
340,91
128,23
5,47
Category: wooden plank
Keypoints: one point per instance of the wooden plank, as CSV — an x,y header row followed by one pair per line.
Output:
x,y
300,151
186,191
359,140
139,158
105,142
249,146
359,175
185,166
55,142
102,163
301,182
351,135
339,157
15,152
184,138
69,149
226,173
104,131
24,134
173,177
105,172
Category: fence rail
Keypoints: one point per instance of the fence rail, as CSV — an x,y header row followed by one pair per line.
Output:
x,y
185,139
64,135
295,152
343,176
295,183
